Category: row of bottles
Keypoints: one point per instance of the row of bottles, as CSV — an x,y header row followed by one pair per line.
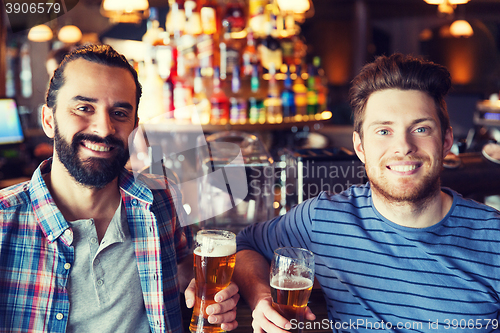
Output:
x,y
231,71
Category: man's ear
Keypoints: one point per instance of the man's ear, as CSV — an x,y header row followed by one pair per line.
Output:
x,y
358,146
448,141
48,123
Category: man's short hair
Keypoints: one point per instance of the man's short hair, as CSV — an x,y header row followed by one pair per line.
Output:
x,y
100,54
403,72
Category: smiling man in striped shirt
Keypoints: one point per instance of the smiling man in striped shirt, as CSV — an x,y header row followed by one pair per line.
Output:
x,y
85,246
399,253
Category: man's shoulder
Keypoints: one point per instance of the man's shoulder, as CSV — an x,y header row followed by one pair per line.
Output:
x,y
469,208
15,195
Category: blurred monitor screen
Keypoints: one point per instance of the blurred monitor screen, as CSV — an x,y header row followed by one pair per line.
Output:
x,y
11,131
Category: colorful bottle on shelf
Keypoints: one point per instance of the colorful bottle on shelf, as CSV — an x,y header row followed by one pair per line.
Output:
x,y
312,93
219,102
202,105
238,104
272,103
321,84
300,91
288,98
256,110
249,56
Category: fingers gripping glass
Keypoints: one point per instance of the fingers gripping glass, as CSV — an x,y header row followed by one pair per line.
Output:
x,y
292,278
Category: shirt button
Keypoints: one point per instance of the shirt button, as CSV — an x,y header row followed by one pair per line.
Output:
x,y
135,202
67,232
59,316
89,222
100,282
67,265
93,240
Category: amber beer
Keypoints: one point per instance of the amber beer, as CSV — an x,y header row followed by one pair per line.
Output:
x,y
290,297
214,260
292,277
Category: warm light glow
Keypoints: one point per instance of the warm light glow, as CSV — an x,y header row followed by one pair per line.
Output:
x,y
69,34
125,11
451,2
461,28
296,6
40,33
127,6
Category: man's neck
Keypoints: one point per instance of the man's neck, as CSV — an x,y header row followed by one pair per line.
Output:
x,y
77,201
421,214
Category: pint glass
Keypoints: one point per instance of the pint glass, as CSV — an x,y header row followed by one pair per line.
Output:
x,y
292,278
214,260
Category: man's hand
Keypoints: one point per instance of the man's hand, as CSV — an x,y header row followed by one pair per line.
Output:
x,y
224,310
267,319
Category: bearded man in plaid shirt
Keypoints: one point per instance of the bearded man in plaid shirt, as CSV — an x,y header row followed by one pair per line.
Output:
x,y
85,246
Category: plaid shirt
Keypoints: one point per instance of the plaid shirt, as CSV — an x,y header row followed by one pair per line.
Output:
x,y
36,253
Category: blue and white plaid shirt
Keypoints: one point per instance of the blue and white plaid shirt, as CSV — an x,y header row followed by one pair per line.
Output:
x,y
36,254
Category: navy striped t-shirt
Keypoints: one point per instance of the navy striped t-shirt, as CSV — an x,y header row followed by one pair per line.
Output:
x,y
378,275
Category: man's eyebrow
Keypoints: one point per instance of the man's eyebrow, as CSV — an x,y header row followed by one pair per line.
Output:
x,y
124,105
389,122
80,98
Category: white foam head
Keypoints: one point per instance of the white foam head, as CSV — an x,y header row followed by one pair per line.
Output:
x,y
215,245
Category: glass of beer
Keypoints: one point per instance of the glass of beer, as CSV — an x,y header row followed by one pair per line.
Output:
x,y
214,260
292,279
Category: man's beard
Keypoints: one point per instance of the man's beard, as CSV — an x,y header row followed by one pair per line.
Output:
x,y
92,172
408,192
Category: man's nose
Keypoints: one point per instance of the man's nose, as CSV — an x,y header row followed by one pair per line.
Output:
x,y
102,124
404,144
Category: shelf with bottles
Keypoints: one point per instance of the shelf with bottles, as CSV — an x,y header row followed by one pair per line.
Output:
x,y
237,63
180,126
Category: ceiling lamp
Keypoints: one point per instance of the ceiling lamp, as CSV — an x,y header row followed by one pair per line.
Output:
x,y
40,33
69,34
125,11
451,2
294,6
461,28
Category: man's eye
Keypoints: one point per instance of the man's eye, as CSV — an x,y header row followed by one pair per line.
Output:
x,y
383,132
83,108
120,114
421,130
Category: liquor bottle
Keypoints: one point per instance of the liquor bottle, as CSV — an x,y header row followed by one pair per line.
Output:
x,y
183,92
288,98
256,110
312,93
229,54
238,105
249,56
256,17
219,101
152,36
234,20
208,53
272,103
300,91
321,84
152,92
270,50
200,100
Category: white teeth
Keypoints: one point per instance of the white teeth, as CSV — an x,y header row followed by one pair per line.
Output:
x,y
403,168
95,147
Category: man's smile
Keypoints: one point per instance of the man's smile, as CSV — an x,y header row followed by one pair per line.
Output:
x,y
96,147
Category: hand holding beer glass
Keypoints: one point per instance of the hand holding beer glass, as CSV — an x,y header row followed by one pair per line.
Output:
x,y
214,260
292,278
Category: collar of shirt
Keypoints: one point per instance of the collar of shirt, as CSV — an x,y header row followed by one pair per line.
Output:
x,y
50,218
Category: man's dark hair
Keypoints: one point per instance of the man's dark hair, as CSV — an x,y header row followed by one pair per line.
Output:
x,y
100,54
403,72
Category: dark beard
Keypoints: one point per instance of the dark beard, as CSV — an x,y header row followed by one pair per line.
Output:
x,y
92,172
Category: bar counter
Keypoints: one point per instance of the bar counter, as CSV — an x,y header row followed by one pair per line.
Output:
x,y
244,315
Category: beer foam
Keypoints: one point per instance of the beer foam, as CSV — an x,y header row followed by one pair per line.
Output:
x,y
214,246
291,283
